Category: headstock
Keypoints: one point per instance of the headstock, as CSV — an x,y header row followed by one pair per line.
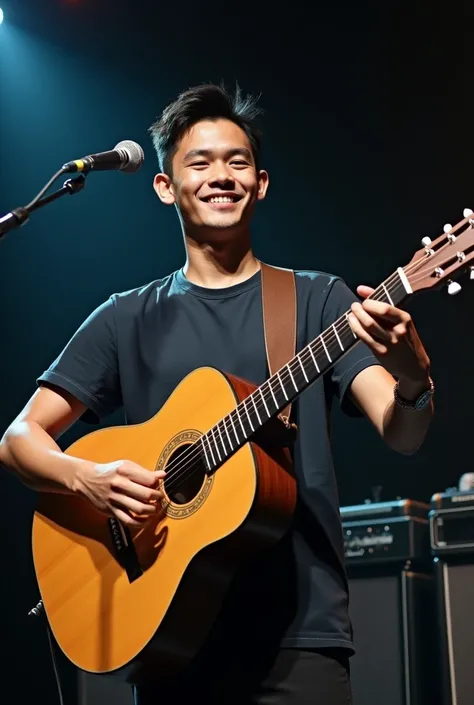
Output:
x,y
441,259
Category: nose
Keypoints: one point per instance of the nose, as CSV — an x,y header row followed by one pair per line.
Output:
x,y
221,176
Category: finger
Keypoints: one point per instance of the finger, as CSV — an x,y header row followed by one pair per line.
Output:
x,y
123,501
365,291
386,311
134,522
148,478
132,489
377,347
370,324
400,330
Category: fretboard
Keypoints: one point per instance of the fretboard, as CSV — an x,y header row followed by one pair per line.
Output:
x,y
238,427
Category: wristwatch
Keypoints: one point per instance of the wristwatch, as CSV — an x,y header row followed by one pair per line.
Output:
x,y
417,404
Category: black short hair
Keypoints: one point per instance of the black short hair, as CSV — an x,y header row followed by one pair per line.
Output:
x,y
205,102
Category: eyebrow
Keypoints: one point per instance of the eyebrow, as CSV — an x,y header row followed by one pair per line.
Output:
x,y
243,151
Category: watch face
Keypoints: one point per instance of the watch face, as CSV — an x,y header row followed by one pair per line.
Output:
x,y
424,399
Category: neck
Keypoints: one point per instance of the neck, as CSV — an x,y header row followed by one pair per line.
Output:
x,y
217,265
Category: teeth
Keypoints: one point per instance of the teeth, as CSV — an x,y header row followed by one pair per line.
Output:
x,y
221,199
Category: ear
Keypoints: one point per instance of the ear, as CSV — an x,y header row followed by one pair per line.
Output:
x,y
263,181
164,189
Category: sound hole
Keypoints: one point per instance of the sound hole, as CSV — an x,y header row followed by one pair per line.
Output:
x,y
185,474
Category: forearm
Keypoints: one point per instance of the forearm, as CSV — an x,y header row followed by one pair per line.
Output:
x,y
37,460
405,430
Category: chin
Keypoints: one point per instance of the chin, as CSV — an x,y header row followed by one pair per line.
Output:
x,y
224,224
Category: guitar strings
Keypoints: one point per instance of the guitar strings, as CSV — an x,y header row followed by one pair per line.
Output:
x,y
196,453
179,467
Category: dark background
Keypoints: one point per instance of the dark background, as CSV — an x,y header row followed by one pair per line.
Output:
x,y
368,141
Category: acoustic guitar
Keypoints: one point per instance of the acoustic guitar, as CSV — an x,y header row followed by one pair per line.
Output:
x,y
139,604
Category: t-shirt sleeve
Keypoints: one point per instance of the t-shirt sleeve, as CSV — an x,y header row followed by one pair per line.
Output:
x,y
87,368
359,357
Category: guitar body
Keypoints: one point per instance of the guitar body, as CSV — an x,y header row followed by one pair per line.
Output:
x,y
147,617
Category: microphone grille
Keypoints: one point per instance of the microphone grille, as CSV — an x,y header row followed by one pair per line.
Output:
x,y
134,153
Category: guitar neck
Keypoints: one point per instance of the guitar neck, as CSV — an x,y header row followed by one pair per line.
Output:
x,y
313,361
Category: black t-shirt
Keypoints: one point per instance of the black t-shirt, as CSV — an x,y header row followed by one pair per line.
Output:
x,y
133,351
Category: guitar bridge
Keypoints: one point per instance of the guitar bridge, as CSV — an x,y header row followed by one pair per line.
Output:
x,y
124,549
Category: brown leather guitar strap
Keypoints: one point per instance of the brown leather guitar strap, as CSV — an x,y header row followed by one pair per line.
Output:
x,y
279,319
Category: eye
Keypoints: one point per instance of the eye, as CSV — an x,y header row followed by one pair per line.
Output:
x,y
239,162
198,164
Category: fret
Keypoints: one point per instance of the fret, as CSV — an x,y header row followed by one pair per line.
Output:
x,y
321,354
216,446
278,392
205,452
343,326
292,378
248,415
325,348
227,434
264,402
347,318
270,385
247,420
242,425
343,334
221,438
299,374
302,367
256,410
338,338
231,417
210,450
387,294
310,346
282,386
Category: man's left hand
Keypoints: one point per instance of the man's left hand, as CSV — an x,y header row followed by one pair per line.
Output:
x,y
391,335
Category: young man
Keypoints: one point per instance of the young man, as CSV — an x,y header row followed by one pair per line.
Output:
x,y
284,636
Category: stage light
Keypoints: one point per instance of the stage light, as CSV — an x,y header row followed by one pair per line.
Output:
x,y
1,15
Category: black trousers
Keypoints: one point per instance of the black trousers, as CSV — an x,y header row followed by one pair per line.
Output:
x,y
290,677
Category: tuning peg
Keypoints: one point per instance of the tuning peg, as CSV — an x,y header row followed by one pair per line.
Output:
x,y
426,242
467,212
453,288
471,275
446,229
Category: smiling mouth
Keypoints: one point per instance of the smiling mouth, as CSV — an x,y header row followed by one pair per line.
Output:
x,y
218,200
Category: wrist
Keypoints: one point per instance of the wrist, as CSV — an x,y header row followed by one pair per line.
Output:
x,y
75,479
410,389
422,394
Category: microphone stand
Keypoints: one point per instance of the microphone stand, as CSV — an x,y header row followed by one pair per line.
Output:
x,y
15,219
19,216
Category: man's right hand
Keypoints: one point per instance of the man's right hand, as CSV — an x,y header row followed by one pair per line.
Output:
x,y
122,489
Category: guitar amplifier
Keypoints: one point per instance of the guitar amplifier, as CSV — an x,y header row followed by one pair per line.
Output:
x,y
385,532
454,578
451,522
392,611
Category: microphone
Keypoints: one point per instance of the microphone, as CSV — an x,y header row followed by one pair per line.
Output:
x,y
127,156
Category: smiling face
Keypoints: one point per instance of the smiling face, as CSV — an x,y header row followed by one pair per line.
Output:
x,y
215,184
